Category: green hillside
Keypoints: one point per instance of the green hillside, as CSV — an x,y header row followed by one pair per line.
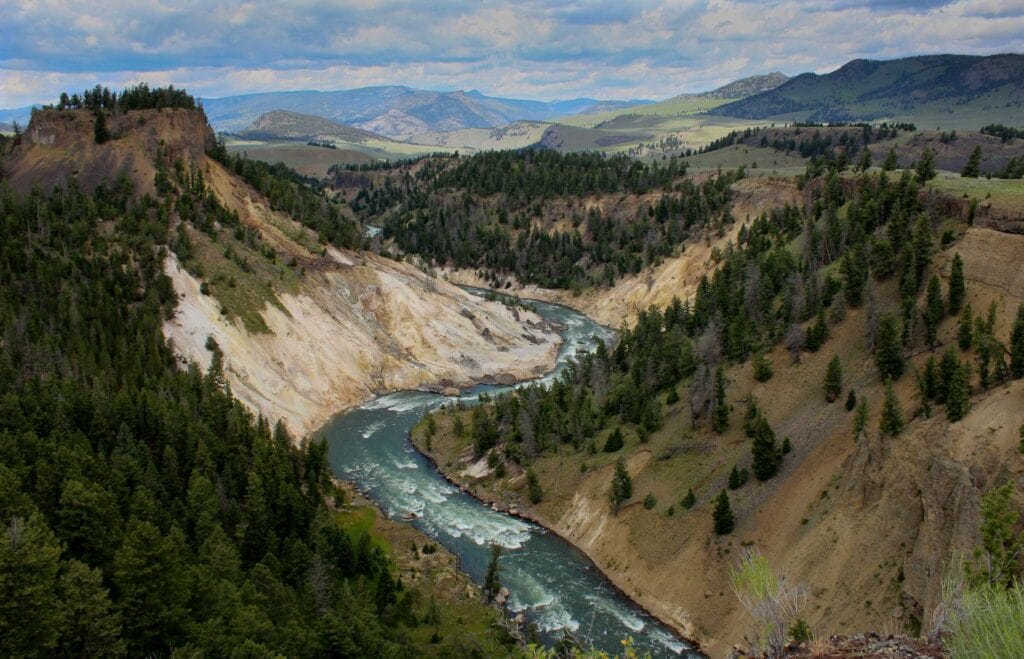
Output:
x,y
954,91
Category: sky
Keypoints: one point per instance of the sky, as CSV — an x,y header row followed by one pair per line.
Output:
x,y
620,49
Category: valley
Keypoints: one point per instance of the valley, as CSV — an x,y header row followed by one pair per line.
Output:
x,y
390,371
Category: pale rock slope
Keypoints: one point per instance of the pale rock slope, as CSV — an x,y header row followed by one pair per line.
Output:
x,y
343,326
364,327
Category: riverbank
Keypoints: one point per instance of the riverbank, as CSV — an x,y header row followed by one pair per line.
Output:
x,y
453,461
448,601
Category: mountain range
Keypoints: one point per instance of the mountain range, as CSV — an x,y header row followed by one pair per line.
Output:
x,y
396,111
866,90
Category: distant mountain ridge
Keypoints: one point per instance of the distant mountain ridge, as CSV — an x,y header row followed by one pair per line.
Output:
x,y
749,86
874,89
286,125
397,111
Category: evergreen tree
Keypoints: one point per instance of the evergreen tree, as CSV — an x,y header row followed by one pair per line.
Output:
x,y
492,580
90,627
691,499
99,128
720,411
737,477
947,366
851,400
958,393
865,160
30,612
763,370
855,275
935,309
925,168
890,160
833,379
622,485
957,289
614,441
765,451
973,166
965,329
1017,345
888,353
891,423
923,247
534,489
722,515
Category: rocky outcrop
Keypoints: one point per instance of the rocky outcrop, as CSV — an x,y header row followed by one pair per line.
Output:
x,y
58,147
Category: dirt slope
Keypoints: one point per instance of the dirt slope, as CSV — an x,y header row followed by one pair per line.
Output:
x,y
866,525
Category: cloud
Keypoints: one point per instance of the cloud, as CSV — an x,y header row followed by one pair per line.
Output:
x,y
537,48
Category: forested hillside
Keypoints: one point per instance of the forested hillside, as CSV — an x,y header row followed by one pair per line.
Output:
x,y
144,510
567,221
843,374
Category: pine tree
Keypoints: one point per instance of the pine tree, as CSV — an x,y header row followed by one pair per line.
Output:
x,y
958,393
965,330
891,423
1017,345
935,309
973,166
865,160
614,441
492,580
957,289
851,400
722,515
888,353
923,247
91,627
99,128
925,168
533,487
737,477
948,364
890,160
622,485
30,617
691,499
833,379
720,413
765,451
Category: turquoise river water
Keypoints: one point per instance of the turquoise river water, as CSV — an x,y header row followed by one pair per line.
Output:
x,y
552,584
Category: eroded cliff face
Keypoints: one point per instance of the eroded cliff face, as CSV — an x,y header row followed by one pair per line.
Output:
x,y
306,330
361,326
58,148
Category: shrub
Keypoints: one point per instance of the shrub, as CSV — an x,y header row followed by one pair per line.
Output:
x,y
988,623
650,502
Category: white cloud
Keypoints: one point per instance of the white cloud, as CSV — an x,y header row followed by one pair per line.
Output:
x,y
537,48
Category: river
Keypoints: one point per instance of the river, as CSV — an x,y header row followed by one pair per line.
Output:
x,y
552,584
